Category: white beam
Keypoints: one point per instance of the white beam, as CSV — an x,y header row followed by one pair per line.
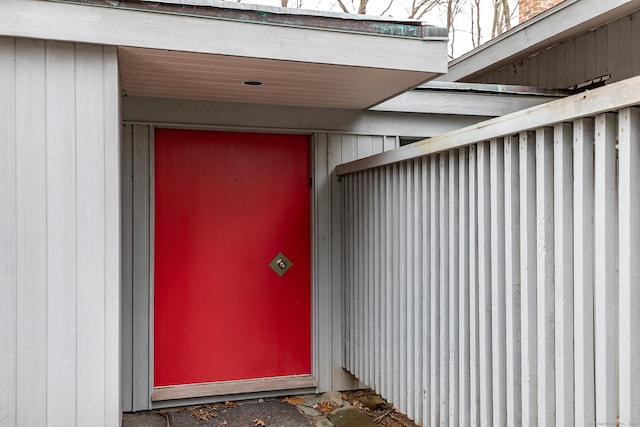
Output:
x,y
473,104
608,98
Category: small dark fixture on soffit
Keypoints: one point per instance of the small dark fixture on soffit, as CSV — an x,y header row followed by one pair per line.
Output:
x,y
253,83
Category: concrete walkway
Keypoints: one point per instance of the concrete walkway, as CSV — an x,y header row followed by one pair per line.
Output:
x,y
333,409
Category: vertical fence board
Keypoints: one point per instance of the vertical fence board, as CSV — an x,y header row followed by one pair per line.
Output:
x,y
563,260
545,279
418,281
464,308
629,140
484,283
8,234
605,290
528,279
498,303
409,301
474,338
435,290
426,292
454,290
389,210
376,282
583,261
443,221
512,281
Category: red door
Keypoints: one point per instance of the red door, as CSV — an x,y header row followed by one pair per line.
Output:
x,y
227,205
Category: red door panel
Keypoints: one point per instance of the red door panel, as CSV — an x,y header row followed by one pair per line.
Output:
x,y
225,205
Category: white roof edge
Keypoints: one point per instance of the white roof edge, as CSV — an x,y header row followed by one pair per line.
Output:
x,y
285,10
567,19
111,26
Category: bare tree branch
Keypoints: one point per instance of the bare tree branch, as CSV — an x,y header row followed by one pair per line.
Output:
x,y
343,7
362,9
387,9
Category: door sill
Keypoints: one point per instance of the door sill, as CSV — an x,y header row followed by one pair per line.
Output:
x,y
232,387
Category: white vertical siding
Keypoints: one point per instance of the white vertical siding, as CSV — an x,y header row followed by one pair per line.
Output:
x,y
8,237
59,233
527,251
611,49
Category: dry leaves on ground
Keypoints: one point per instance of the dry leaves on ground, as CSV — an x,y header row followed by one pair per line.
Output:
x,y
204,414
294,400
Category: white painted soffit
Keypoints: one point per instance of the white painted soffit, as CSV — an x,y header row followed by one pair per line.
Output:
x,y
564,21
169,54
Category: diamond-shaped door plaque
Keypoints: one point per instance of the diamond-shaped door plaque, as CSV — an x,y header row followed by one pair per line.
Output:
x,y
280,264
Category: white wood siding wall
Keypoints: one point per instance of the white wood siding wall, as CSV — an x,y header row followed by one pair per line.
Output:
x,y
329,150
59,234
611,49
498,283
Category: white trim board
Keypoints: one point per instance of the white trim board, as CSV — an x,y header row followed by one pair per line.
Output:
x,y
109,26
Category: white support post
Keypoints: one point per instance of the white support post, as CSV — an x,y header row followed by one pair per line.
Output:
x,y
545,276
464,318
426,291
629,140
474,338
563,250
528,279
512,280
583,137
454,291
498,302
435,291
606,295
484,284
443,160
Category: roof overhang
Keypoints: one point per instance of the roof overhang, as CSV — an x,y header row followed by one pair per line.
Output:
x,y
470,99
564,21
187,51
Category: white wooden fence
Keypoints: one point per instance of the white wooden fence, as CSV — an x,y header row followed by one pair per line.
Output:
x,y
492,275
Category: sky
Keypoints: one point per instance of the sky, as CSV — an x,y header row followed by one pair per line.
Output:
x,y
400,9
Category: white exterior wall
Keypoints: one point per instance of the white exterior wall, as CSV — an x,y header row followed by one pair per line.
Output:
x,y
59,234
610,49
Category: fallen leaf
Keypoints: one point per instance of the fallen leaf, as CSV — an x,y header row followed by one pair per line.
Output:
x,y
204,414
181,410
259,423
294,400
163,413
325,407
230,404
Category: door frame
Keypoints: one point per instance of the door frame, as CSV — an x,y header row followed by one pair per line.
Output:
x,y
252,386
137,274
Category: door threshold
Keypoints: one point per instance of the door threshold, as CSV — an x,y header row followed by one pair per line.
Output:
x,y
223,388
